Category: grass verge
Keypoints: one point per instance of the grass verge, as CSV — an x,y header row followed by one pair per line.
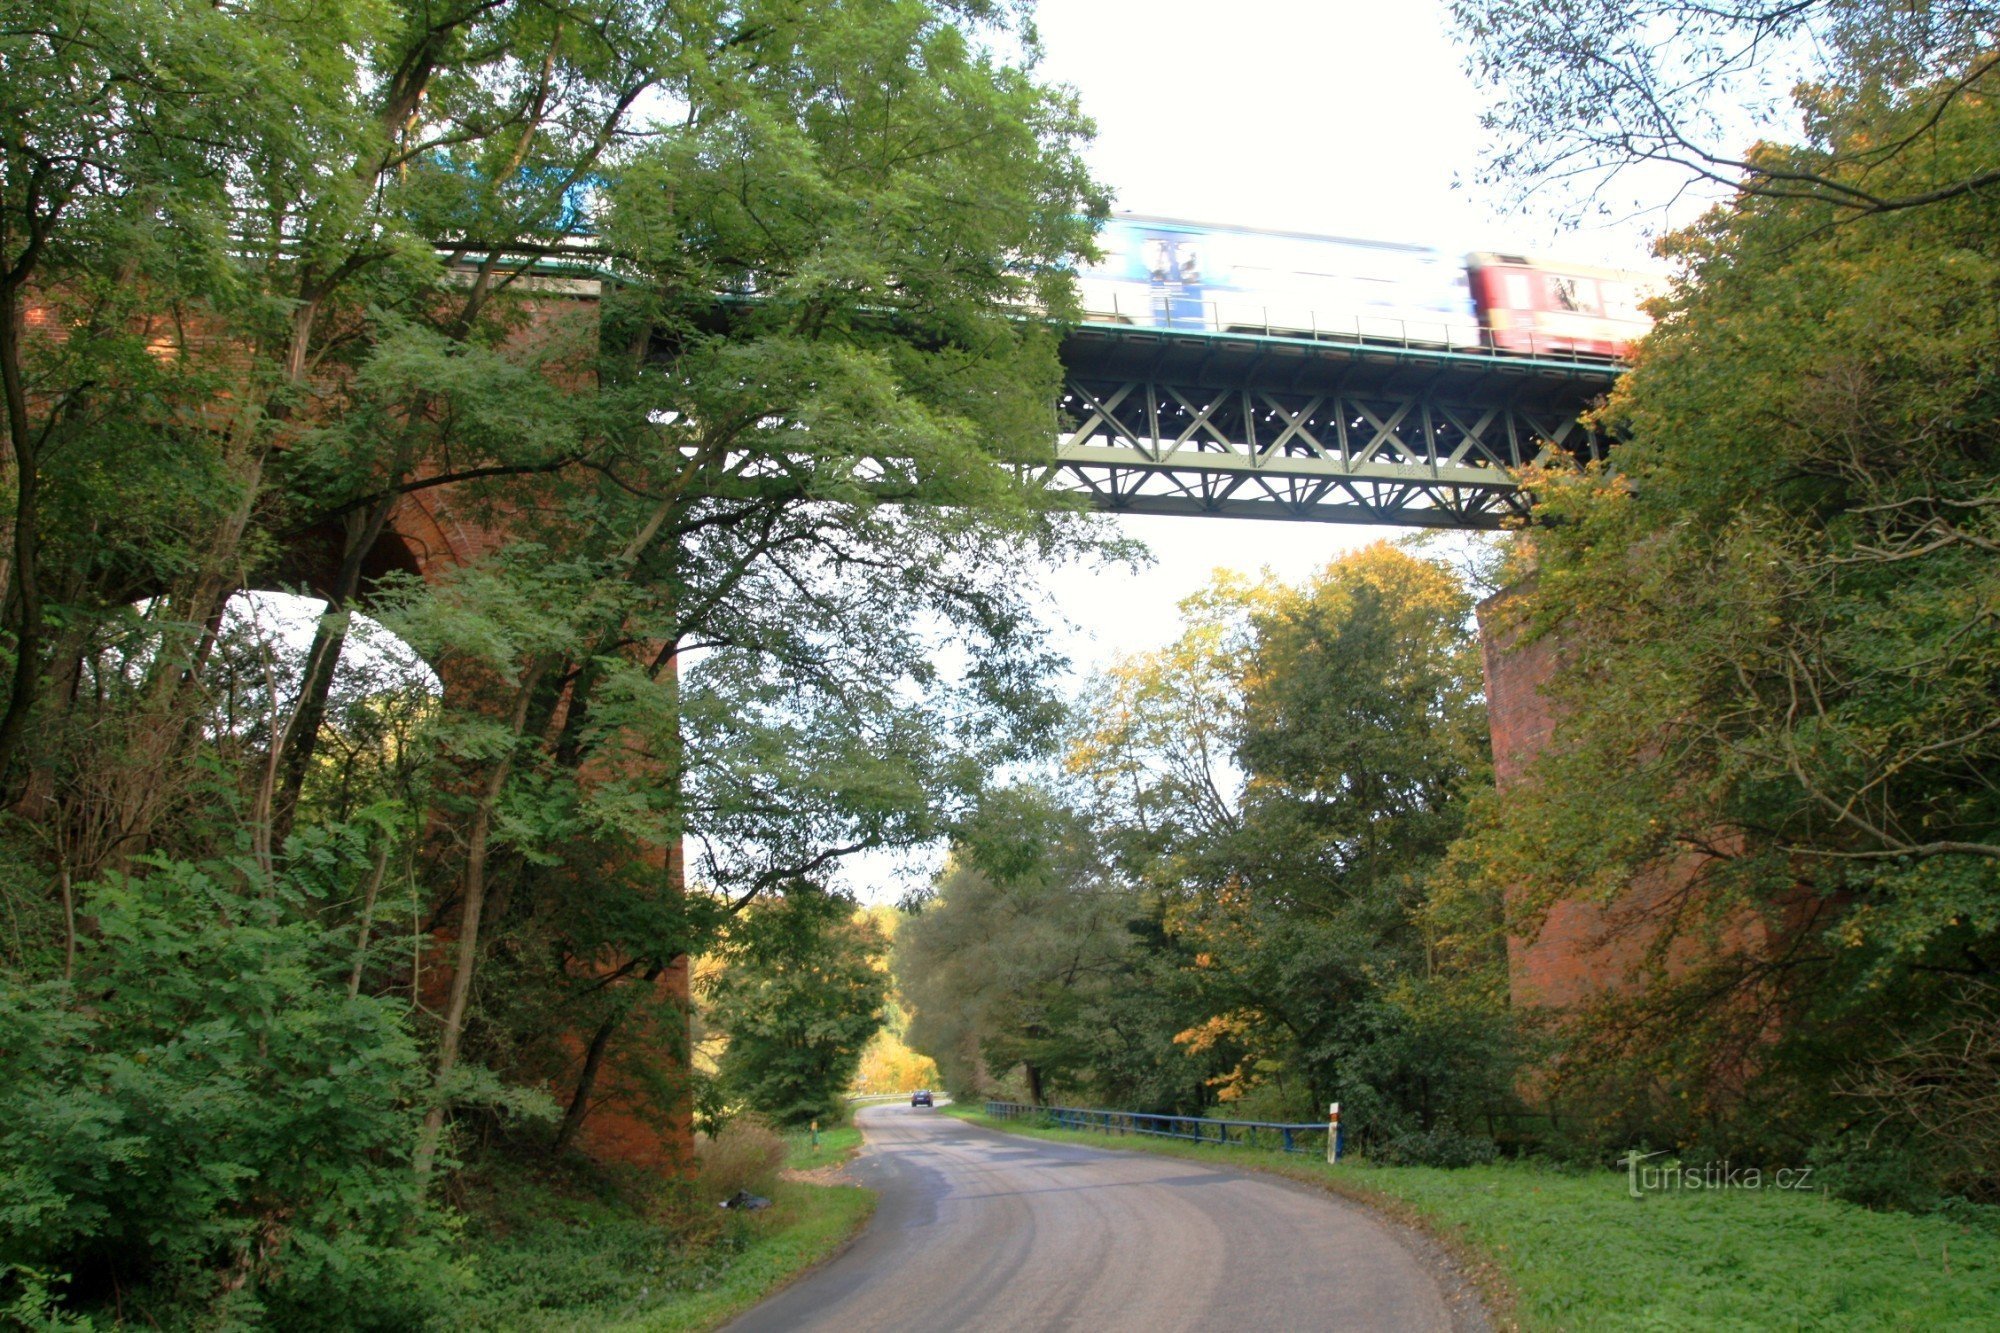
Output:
x,y
805,1226
1555,1250
835,1145
546,1254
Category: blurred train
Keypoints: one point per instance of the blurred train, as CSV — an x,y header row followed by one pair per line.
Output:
x,y
1165,273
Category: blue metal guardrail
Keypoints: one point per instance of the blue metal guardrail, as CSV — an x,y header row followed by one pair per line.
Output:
x,y
1266,1134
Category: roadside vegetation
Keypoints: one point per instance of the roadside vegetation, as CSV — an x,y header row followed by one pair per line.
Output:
x,y
1566,1249
837,1143
340,961
1238,896
417,307
579,1252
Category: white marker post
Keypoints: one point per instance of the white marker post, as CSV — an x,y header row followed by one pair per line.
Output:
x,y
1333,1133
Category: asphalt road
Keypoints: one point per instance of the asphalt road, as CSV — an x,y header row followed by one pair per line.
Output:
x,y
982,1230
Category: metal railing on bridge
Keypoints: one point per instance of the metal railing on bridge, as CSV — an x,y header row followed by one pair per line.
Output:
x,y
1266,1134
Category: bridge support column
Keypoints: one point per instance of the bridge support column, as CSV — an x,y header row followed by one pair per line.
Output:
x,y
1584,950
624,1083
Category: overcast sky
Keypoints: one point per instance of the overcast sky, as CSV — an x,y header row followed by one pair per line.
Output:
x,y
1340,116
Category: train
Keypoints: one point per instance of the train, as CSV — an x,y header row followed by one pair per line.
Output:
x,y
1174,274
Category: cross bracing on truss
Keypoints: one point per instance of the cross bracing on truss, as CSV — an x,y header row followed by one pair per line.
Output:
x,y
1165,423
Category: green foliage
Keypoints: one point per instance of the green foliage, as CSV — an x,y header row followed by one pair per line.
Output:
x,y
1777,618
1030,953
1255,907
836,1143
1441,1145
569,1248
800,998
203,1115
1361,737
277,308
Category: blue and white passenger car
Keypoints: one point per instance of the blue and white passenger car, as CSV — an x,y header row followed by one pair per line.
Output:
x,y
1164,273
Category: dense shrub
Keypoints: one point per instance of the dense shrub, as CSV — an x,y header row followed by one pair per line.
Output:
x,y
205,1118
1878,1172
744,1154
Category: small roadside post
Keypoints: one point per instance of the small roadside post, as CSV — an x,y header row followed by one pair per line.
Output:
x,y
815,1136
1333,1133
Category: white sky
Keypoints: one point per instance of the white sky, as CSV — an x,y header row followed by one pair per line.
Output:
x,y
1348,117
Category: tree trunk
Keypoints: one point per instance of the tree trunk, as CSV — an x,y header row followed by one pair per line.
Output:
x,y
468,935
593,1060
26,596
579,1102
374,889
308,715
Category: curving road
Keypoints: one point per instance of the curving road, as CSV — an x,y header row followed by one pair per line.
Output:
x,y
978,1229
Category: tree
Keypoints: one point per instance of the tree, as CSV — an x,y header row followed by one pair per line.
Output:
x,y
1249,896
1029,954
202,1116
807,487
1364,736
1588,91
1298,765
888,1064
799,999
1778,612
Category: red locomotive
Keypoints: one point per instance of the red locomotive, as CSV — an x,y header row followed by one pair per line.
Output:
x,y
1533,308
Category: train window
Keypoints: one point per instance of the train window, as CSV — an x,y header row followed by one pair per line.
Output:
x,y
1190,264
1578,294
1517,292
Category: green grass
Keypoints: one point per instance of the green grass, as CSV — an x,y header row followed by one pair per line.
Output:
x,y
835,1145
805,1225
571,1254
1575,1251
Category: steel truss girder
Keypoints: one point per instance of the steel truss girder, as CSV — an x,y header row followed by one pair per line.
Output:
x,y
1412,456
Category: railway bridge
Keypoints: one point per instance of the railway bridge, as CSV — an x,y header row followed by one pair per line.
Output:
x,y
1238,425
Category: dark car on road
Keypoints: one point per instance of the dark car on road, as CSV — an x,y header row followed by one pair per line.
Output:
x,y
921,1097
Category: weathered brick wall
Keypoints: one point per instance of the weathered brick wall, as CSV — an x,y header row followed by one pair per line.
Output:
x,y
1522,718
1585,949
631,1120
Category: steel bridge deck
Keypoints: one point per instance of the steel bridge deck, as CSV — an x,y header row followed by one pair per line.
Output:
x,y
1159,421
